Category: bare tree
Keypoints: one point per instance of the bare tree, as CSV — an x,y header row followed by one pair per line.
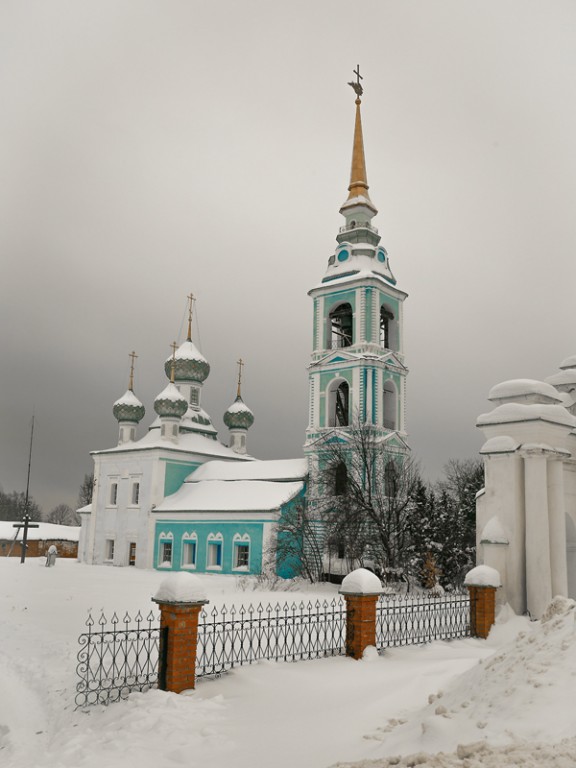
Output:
x,y
298,545
367,497
63,514
86,489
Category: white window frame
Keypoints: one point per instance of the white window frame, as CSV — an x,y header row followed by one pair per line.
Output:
x,y
109,550
113,496
136,493
165,538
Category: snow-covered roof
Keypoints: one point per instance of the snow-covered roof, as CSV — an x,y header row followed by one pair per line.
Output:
x,y
500,444
522,389
274,470
515,412
226,496
188,442
569,362
43,532
359,267
128,398
86,510
567,376
171,392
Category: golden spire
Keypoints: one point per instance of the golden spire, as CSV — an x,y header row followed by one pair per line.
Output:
x,y
191,300
174,347
240,366
358,178
132,357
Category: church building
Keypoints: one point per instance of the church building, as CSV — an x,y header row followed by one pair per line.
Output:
x,y
178,498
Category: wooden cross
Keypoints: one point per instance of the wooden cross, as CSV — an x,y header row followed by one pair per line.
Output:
x,y
132,357
241,363
24,524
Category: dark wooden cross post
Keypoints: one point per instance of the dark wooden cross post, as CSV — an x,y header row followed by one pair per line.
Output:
x,y
25,524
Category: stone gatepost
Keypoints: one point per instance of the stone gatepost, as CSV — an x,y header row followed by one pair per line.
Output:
x,y
482,583
361,590
180,597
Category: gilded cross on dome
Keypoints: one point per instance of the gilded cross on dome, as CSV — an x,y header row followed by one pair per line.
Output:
x,y
358,90
132,357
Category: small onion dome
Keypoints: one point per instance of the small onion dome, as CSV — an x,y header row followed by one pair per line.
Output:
x,y
170,403
128,408
189,364
238,416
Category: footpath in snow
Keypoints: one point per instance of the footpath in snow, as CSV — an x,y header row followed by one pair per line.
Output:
x,y
505,701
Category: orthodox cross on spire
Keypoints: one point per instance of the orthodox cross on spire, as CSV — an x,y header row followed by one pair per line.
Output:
x,y
191,300
174,347
132,357
241,364
358,89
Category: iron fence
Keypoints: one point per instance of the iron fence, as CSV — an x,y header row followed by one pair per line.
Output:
x,y
118,656
411,620
230,637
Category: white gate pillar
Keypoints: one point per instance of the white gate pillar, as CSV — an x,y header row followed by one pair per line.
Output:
x,y
538,568
557,512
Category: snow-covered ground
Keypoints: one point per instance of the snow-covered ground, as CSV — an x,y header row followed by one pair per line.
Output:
x,y
505,701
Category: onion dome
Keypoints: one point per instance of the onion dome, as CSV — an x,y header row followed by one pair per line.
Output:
x,y
189,364
170,403
128,408
238,416
569,362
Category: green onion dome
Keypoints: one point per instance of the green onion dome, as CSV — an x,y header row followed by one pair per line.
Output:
x,y
128,408
170,403
238,416
189,364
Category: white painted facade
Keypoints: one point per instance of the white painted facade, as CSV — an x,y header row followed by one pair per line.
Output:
x,y
526,514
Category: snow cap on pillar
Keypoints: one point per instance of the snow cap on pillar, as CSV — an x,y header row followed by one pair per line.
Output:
x,y
483,576
180,588
361,582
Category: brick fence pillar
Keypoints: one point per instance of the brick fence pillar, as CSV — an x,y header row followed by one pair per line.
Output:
x,y
361,590
482,583
179,620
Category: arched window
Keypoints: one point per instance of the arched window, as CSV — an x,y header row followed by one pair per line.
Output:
x,y
388,328
338,404
189,550
340,327
340,479
390,479
241,551
390,409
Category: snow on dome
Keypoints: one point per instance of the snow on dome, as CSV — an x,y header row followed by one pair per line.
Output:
x,y
515,412
569,362
500,444
181,588
530,390
238,415
170,402
483,576
567,376
361,582
494,532
189,364
128,408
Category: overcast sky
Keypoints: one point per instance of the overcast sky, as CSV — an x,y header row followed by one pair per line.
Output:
x,y
153,148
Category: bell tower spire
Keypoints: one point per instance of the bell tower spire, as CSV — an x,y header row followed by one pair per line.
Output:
x,y
358,187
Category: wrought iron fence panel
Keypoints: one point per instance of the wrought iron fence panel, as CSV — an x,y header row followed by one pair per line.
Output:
x,y
117,656
290,632
416,619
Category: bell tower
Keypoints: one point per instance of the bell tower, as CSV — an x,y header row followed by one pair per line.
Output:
x,y
357,371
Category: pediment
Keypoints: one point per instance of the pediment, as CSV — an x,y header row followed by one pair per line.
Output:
x,y
336,357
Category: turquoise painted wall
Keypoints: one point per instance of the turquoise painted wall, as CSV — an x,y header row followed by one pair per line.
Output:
x,y
290,566
330,301
176,473
227,529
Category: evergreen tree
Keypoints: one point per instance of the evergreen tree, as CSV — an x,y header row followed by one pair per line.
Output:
x,y
86,489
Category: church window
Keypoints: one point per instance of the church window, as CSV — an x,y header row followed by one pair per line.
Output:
x,y
390,406
135,493
391,479
338,404
388,329
166,552
114,494
214,551
340,327
189,553
241,555
109,553
340,479
194,396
